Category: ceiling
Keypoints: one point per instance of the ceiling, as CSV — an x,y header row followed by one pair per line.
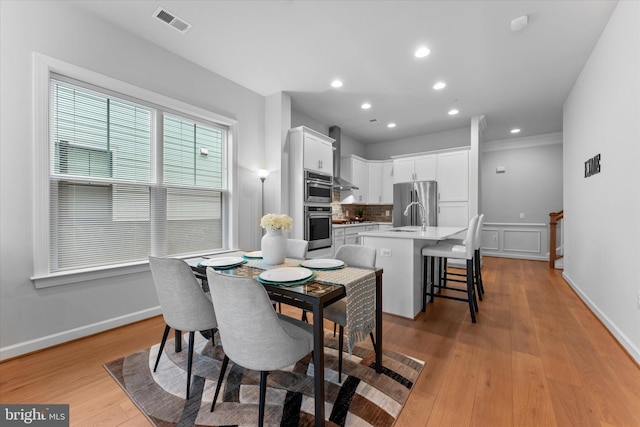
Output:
x,y
515,79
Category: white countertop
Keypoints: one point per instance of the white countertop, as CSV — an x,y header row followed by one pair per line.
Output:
x,y
415,233
360,224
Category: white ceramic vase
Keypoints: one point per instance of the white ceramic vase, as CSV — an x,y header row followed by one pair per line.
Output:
x,y
274,247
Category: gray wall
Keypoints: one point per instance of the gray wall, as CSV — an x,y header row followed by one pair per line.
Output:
x,y
419,144
30,318
602,212
532,183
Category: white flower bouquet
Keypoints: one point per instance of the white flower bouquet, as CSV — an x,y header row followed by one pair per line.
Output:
x,y
276,222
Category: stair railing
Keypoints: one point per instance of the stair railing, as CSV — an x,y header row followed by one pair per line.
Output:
x,y
554,217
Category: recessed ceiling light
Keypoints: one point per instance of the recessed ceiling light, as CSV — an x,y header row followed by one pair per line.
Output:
x,y
391,125
336,83
516,130
439,85
365,106
422,51
453,112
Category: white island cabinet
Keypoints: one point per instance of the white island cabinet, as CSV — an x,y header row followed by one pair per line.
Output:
x,y
399,254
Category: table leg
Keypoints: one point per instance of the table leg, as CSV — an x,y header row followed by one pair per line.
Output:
x,y
379,323
318,363
178,341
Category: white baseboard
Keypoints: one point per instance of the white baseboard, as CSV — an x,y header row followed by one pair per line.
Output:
x,y
486,252
631,348
72,334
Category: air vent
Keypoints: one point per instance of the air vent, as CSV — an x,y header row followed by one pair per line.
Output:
x,y
172,20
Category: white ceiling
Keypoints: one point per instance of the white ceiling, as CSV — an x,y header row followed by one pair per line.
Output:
x,y
516,79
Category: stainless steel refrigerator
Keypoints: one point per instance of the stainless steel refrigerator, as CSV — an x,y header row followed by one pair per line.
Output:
x,y
424,192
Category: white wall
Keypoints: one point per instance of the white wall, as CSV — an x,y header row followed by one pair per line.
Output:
x,y
31,319
602,213
348,144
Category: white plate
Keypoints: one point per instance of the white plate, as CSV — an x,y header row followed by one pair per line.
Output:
x,y
322,263
222,261
254,254
286,274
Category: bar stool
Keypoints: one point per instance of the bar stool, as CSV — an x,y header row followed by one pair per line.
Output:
x,y
462,252
477,258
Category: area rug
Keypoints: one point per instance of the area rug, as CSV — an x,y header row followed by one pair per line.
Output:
x,y
364,398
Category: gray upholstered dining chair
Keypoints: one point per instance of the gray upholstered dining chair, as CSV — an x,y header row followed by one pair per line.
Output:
x,y
353,256
185,306
297,248
253,335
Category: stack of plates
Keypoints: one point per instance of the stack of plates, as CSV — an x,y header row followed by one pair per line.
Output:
x,y
286,276
323,264
253,255
223,263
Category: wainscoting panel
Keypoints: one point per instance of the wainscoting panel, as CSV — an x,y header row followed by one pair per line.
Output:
x,y
515,240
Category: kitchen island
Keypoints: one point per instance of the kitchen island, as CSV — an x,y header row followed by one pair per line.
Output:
x,y
399,253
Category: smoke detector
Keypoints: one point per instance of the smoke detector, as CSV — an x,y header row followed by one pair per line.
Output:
x,y
519,23
171,20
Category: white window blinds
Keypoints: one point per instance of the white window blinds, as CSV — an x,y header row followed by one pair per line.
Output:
x,y
107,204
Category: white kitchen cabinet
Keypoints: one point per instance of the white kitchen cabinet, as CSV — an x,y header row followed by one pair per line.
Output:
x,y
386,194
380,182
356,170
453,176
318,153
375,182
418,168
453,214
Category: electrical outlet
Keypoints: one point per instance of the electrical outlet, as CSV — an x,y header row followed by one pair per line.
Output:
x,y
521,215
386,213
385,252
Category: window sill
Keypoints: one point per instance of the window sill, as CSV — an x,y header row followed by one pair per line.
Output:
x,y
86,275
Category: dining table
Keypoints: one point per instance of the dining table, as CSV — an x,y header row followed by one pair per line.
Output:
x,y
313,296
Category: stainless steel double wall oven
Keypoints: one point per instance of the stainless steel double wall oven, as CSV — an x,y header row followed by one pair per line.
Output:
x,y
318,190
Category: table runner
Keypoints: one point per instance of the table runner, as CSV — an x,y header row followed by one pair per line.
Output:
x,y
360,287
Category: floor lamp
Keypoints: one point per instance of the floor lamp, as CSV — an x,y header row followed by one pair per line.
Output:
x,y
262,174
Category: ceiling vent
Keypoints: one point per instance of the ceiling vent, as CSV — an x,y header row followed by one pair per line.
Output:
x,y
172,20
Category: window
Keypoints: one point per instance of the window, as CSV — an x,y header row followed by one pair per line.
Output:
x,y
128,178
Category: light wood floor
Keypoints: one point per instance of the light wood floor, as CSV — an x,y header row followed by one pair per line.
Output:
x,y
536,357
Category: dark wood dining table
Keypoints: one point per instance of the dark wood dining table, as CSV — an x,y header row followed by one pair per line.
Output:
x,y
313,296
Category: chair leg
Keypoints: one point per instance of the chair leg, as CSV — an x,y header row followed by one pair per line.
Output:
x,y
304,316
470,293
263,395
223,368
334,329
443,263
340,348
475,278
478,258
167,328
433,278
190,361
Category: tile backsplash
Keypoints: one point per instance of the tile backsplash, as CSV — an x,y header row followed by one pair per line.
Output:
x,y
381,213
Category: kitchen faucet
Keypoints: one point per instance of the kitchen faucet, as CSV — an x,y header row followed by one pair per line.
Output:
x,y
422,211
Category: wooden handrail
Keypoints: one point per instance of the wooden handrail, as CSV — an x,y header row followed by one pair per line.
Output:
x,y
554,217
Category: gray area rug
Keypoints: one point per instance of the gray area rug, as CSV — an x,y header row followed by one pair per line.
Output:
x,y
364,398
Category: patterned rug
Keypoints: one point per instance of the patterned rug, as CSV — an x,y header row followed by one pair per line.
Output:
x,y
364,398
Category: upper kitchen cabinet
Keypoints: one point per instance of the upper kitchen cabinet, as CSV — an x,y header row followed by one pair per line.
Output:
x,y
380,182
318,153
414,168
453,176
355,170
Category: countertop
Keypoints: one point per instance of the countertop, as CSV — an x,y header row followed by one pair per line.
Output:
x,y
416,233
360,224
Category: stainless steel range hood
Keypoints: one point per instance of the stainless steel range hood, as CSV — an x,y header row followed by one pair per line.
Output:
x,y
338,182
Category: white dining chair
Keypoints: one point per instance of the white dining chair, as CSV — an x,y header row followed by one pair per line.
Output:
x,y
297,248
